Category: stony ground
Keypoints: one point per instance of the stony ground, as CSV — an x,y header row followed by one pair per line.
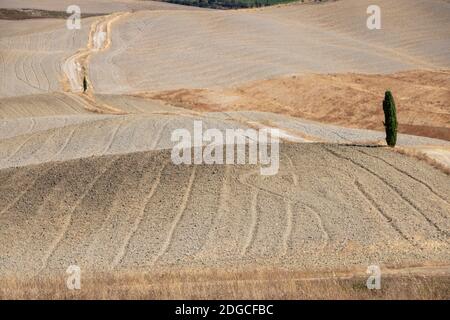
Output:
x,y
330,206
87,179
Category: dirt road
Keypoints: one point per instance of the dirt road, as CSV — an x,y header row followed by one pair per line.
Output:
x,y
76,66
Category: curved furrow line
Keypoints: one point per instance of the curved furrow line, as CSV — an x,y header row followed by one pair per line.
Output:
x,y
177,218
45,76
56,96
113,136
68,219
16,66
35,74
134,129
66,142
159,134
289,213
20,147
253,223
292,170
383,214
225,194
242,180
32,126
115,77
65,123
408,175
87,105
269,192
287,233
27,189
124,248
53,192
113,209
222,207
25,73
340,136
49,137
133,107
393,188
326,235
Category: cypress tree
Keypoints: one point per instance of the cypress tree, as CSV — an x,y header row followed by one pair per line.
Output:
x,y
85,85
390,119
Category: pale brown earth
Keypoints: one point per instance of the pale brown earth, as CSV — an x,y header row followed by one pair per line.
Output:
x,y
148,126
94,6
33,52
416,283
87,178
329,207
349,100
196,50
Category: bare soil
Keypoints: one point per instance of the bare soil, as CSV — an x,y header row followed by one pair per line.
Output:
x,y
330,207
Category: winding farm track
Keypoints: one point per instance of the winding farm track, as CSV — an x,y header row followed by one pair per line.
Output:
x,y
87,179
76,66
213,49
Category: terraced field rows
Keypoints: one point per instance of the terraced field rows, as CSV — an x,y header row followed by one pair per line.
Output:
x,y
44,140
169,50
26,141
141,211
40,105
87,179
408,33
32,57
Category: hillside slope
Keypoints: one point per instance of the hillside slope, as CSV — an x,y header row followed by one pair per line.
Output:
x,y
165,50
329,207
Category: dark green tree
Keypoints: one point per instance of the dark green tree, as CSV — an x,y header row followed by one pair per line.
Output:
x,y
390,119
85,84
